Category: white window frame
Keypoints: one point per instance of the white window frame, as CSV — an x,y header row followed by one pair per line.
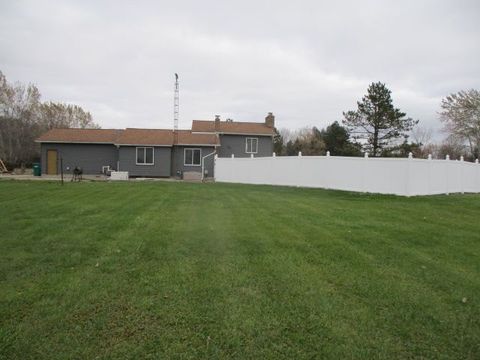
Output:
x,y
185,156
246,145
145,155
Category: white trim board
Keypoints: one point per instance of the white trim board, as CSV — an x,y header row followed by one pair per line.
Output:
x,y
231,133
144,145
205,145
245,134
74,142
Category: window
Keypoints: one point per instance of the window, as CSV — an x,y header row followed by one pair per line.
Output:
x,y
144,155
251,146
192,157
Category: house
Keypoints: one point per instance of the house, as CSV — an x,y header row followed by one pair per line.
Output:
x,y
155,152
240,138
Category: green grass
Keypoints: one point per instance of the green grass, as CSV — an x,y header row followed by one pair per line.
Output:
x,y
196,271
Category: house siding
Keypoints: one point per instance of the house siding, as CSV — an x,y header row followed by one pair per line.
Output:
x,y
162,162
89,157
235,144
178,160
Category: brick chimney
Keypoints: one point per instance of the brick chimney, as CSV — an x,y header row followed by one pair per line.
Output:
x,y
270,120
217,122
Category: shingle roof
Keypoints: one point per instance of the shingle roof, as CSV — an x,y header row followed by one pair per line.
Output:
x,y
160,137
105,136
129,136
203,126
232,127
186,137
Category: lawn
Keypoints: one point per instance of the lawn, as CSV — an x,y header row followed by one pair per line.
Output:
x,y
195,271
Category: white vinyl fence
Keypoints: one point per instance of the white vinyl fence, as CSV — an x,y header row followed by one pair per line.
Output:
x,y
400,176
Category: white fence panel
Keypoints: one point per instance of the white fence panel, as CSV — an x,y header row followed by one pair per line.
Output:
x,y
376,175
471,177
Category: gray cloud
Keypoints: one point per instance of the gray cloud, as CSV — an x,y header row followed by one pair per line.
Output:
x,y
307,61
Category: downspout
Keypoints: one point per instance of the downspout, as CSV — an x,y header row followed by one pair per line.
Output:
x,y
203,162
118,157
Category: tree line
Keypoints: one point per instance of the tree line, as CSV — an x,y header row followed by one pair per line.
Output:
x,y
378,128
312,141
24,117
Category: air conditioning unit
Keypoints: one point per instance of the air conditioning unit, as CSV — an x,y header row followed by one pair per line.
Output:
x,y
106,170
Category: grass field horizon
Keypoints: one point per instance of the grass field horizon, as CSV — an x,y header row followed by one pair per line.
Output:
x,y
181,270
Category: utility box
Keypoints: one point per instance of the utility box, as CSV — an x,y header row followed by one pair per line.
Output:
x,y
119,175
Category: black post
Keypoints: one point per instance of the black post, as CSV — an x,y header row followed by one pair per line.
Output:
x,y
61,169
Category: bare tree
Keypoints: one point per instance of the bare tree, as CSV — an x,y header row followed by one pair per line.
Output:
x,y
19,111
308,140
287,134
59,115
23,117
461,115
422,137
453,147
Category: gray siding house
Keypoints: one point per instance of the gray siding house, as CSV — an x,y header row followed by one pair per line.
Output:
x,y
155,152
240,139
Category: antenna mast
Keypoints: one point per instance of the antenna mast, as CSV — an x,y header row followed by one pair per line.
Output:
x,y
176,104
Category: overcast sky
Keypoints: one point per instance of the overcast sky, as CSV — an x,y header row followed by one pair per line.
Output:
x,y
306,61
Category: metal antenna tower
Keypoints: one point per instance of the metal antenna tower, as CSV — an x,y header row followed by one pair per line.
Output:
x,y
176,104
